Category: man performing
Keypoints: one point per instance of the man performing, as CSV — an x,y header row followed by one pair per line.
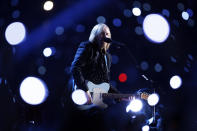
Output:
x,y
92,63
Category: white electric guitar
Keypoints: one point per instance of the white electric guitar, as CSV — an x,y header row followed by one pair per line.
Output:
x,y
100,92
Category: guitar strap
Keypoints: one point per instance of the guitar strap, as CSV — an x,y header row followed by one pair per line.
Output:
x,y
106,63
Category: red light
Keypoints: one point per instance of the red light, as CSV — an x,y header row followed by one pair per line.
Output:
x,y
122,77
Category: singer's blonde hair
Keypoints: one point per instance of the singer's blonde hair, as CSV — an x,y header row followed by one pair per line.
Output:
x,y
96,31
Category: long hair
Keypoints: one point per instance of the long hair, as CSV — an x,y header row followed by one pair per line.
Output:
x,y
96,31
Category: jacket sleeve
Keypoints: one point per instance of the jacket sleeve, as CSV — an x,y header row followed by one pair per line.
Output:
x,y
80,60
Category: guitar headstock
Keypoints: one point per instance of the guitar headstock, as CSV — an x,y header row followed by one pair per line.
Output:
x,y
144,95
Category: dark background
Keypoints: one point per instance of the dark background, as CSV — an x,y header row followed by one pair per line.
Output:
x,y
177,56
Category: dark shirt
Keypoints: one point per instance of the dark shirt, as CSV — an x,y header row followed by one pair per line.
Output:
x,y
89,64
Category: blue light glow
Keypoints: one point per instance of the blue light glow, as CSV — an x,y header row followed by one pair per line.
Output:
x,y
165,12
127,13
59,30
144,65
117,22
158,67
190,12
101,19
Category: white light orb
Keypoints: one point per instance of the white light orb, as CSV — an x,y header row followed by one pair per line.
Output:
x,y
15,33
153,99
185,15
175,82
156,28
145,128
48,5
134,106
47,52
136,11
33,91
79,97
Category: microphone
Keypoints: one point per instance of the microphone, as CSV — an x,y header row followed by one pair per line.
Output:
x,y
109,40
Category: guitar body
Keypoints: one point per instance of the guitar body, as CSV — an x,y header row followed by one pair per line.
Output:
x,y
100,91
97,91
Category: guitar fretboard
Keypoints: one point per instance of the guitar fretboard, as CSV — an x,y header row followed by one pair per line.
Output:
x,y
112,95
116,96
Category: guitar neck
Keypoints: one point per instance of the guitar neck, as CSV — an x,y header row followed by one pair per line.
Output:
x,y
116,96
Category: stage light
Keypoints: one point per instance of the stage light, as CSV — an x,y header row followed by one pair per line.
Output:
x,y
158,67
101,19
15,33
136,11
190,12
48,5
185,15
166,12
33,91
175,82
156,28
59,30
127,13
145,128
122,77
49,51
117,22
134,106
79,97
144,65
153,99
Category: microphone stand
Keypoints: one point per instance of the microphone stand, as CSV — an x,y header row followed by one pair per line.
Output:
x,y
131,56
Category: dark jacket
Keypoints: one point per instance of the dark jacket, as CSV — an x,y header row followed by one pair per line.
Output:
x,y
89,64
